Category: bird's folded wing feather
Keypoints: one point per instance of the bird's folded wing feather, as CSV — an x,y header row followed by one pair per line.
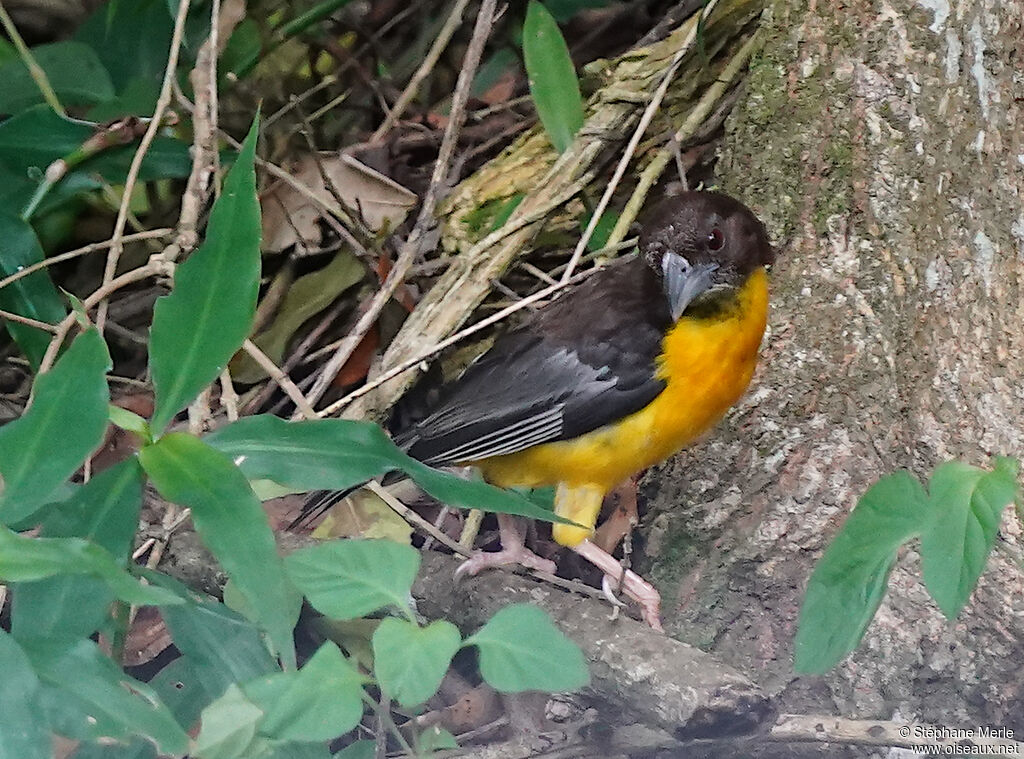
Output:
x,y
535,390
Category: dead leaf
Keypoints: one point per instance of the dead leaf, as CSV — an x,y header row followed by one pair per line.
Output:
x,y
291,217
147,637
363,515
358,364
308,296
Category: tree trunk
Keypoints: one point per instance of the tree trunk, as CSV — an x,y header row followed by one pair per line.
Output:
x,y
882,144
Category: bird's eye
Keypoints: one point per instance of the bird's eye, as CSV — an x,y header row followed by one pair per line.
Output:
x,y
715,239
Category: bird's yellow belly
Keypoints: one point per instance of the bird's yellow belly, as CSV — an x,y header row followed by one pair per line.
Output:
x,y
707,365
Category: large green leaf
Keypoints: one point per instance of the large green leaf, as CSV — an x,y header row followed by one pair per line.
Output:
x,y
24,729
346,579
131,38
187,687
64,424
850,579
201,324
33,296
225,643
105,511
73,70
231,521
521,649
967,505
552,77
410,661
337,454
25,559
228,727
321,701
86,677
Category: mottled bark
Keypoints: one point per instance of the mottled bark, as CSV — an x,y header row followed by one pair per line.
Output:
x,y
882,143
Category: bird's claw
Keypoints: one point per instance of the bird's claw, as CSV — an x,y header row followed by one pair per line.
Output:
x,y
482,560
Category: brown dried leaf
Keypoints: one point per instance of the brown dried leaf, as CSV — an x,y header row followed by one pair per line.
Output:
x,y
363,515
290,217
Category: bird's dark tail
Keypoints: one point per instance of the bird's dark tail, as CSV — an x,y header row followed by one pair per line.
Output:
x,y
319,502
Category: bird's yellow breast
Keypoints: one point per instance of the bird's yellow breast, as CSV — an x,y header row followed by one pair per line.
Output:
x,y
706,364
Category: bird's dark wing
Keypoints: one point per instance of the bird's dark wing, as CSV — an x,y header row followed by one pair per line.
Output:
x,y
583,362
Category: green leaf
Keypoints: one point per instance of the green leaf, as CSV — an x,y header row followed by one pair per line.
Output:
x,y
345,579
35,138
228,727
33,296
64,424
521,649
552,77
24,559
226,644
337,454
602,231
968,505
75,74
24,730
105,511
83,675
130,422
231,521
188,687
204,320
435,738
321,701
409,661
132,39
850,579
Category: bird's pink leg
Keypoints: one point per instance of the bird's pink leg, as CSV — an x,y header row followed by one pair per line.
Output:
x,y
632,584
513,551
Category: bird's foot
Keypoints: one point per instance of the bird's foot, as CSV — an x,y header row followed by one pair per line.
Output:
x,y
626,580
513,551
520,555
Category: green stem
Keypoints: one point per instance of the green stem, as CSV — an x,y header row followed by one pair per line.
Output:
x,y
34,69
290,29
385,717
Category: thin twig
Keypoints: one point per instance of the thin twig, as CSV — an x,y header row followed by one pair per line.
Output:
x,y
429,62
283,380
153,268
697,116
83,251
298,355
447,342
411,248
634,141
11,316
34,69
415,519
228,396
163,101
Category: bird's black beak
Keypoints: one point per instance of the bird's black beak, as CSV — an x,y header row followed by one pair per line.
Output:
x,y
684,281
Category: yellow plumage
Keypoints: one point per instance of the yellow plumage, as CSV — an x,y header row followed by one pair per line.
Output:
x,y
706,362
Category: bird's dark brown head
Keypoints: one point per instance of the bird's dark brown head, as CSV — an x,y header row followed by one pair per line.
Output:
x,y
701,242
